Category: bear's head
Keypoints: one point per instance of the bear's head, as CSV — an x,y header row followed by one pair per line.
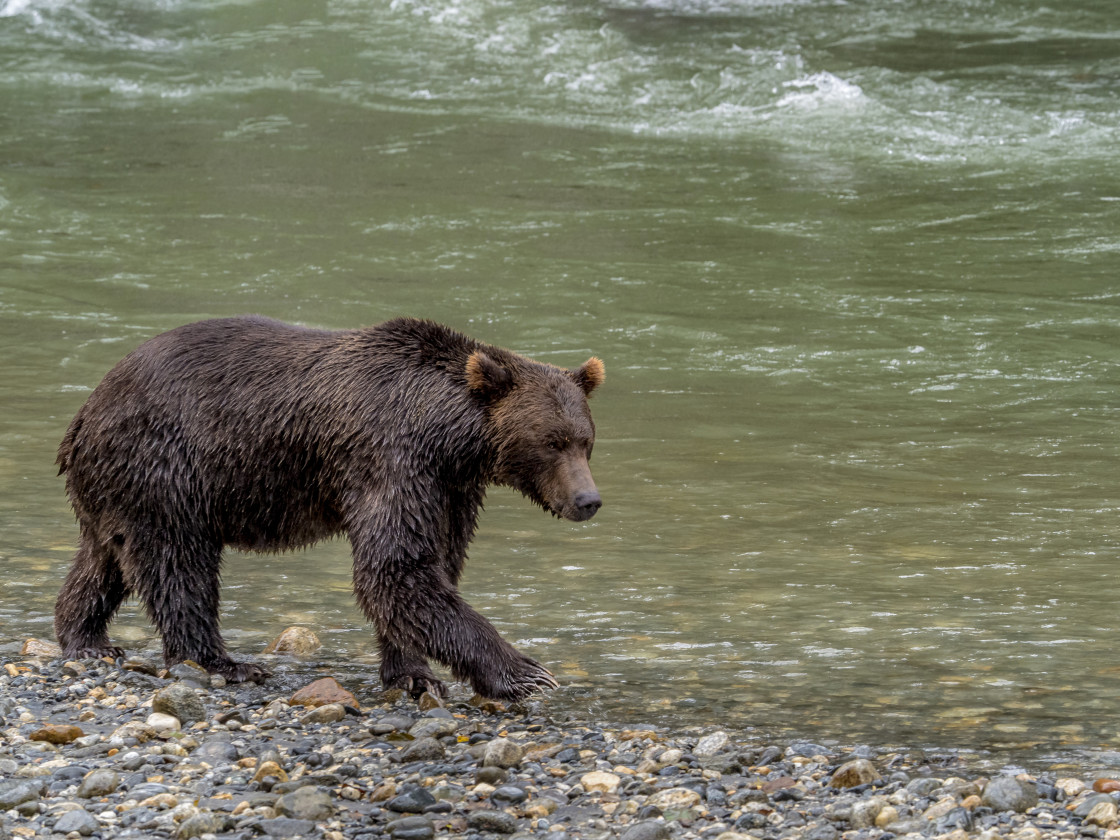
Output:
x,y
542,429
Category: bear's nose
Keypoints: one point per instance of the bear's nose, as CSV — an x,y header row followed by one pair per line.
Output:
x,y
587,503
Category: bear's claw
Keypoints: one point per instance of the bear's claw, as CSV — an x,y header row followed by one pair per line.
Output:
x,y
239,672
417,684
97,652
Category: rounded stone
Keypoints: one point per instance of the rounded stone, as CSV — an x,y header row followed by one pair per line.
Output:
x,y
321,692
600,781
1103,814
326,713
98,783
306,803
434,728
510,794
57,734
411,828
647,830
414,800
711,744
162,723
204,822
78,820
1008,793
502,752
674,799
180,702
299,641
853,773
425,749
498,822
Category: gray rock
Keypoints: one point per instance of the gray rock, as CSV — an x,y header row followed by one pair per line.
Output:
x,y
179,701
709,745
217,749
924,786
425,749
434,727
391,723
821,831
18,791
411,828
497,821
510,794
79,820
414,800
1006,793
98,783
204,822
502,752
306,803
285,827
647,830
1089,803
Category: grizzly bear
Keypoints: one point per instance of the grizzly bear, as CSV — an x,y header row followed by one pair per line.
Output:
x,y
263,436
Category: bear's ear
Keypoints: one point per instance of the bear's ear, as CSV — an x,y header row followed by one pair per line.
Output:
x,y
590,376
487,377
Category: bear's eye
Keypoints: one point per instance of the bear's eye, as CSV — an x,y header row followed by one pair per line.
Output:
x,y
556,445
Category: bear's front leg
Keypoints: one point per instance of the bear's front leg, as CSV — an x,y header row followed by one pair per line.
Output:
x,y
414,605
408,672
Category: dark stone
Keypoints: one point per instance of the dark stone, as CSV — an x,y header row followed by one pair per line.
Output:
x,y
414,800
411,828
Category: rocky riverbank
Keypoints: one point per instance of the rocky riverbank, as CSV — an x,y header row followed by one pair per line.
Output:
x,y
98,749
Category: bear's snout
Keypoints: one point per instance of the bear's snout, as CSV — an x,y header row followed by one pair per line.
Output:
x,y
585,505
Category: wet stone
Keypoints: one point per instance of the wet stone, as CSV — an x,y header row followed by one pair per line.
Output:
x,y
411,828
854,773
414,800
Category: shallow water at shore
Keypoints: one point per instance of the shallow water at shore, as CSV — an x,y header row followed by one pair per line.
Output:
x,y
851,267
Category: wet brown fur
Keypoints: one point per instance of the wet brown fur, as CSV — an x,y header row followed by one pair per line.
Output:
x,y
263,436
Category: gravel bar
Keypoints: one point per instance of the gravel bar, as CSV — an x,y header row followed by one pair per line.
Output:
x,y
130,750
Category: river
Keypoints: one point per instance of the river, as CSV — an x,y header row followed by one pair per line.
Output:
x,y
852,267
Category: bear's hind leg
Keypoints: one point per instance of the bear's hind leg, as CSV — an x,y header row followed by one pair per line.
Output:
x,y
180,585
93,591
408,672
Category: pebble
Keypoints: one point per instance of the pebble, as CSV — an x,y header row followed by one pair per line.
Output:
x,y
502,752
299,641
1010,793
252,761
79,820
180,702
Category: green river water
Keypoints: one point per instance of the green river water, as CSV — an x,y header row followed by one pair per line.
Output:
x,y
852,267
